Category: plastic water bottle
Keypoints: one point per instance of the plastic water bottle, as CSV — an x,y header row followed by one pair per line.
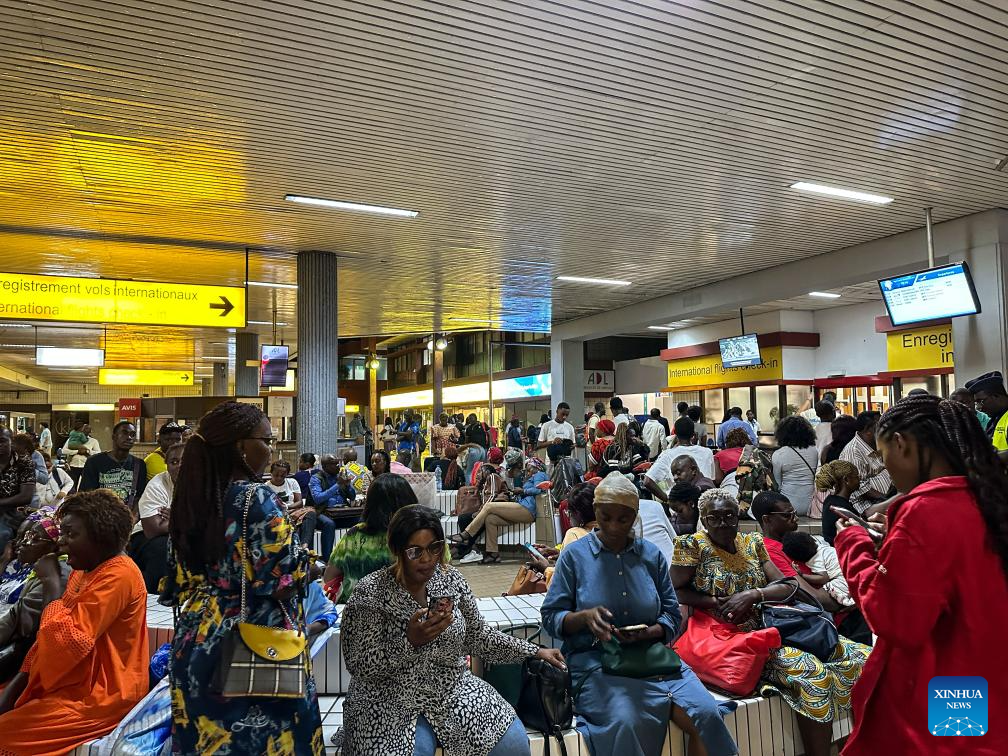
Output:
x,y
437,477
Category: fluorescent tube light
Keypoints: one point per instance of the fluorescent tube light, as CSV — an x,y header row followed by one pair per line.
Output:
x,y
824,294
339,205
215,359
661,328
835,191
600,281
60,357
271,285
264,322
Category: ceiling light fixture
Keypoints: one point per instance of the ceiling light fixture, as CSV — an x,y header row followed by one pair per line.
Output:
x,y
216,359
600,281
661,328
15,325
265,322
63,357
471,320
339,205
835,191
824,294
271,285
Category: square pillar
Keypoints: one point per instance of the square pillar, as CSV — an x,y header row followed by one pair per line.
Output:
x,y
567,375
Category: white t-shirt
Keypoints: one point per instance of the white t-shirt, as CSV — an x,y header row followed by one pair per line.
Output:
x,y
652,525
286,491
825,562
552,430
654,436
823,436
59,481
621,419
593,422
157,495
78,460
661,470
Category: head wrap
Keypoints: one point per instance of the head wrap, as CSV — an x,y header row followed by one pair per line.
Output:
x,y
605,427
46,517
615,488
495,456
986,382
535,465
513,458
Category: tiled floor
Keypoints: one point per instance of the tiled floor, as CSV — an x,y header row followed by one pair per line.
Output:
x,y
491,579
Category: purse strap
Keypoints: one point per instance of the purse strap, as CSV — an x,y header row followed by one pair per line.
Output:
x,y
246,562
803,460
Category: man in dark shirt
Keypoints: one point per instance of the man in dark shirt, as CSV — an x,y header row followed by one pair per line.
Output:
x,y
118,470
17,484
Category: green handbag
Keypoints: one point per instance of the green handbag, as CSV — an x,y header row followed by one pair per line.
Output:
x,y
639,660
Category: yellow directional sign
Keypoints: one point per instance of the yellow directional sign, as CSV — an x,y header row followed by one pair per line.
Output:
x,y
106,300
123,377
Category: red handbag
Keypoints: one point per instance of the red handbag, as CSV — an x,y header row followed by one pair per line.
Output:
x,y
723,656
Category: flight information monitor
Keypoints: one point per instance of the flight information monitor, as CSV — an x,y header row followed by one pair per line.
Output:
x,y
943,292
740,351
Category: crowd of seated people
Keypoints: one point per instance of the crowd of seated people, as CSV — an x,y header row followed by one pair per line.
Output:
x,y
912,567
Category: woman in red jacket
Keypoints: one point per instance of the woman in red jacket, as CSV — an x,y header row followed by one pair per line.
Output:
x,y
935,592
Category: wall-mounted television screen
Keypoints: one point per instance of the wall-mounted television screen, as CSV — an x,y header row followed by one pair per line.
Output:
x,y
943,292
740,351
273,359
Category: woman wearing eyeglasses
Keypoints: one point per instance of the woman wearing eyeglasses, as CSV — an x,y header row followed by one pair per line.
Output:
x,y
406,632
222,466
726,573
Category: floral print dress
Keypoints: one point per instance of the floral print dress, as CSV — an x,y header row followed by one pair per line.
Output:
x,y
209,605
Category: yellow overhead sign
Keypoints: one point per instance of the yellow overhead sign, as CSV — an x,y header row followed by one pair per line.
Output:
x,y
106,300
695,373
920,349
123,377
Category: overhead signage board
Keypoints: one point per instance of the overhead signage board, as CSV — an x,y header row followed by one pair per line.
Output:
x,y
107,300
708,372
124,377
920,349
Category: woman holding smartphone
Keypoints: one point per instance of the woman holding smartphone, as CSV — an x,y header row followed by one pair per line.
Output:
x,y
406,632
609,584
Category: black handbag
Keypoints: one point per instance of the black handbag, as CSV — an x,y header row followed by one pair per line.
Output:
x,y
802,623
540,694
545,702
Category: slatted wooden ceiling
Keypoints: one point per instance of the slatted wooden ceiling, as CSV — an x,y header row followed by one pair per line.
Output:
x,y
652,141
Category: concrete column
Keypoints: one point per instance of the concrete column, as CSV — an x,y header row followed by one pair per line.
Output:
x,y
318,360
437,368
372,416
567,375
220,379
981,341
246,378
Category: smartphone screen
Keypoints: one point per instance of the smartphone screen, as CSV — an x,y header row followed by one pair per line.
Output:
x,y
442,604
533,551
846,514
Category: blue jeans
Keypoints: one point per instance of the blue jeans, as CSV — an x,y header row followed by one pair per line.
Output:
x,y
328,528
513,743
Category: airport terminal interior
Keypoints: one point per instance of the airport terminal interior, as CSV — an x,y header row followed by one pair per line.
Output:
x,y
503,377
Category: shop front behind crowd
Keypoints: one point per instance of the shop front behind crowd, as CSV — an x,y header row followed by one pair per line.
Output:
x,y
680,546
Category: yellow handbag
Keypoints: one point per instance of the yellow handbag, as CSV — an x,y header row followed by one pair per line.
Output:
x,y
259,661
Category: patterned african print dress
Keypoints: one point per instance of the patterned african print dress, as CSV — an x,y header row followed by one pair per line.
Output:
x,y
355,555
819,690
202,722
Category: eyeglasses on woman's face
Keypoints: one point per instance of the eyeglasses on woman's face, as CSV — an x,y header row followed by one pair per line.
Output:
x,y
435,550
724,519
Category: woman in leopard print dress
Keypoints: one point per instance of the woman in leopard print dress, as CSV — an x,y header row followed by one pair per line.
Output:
x,y
411,688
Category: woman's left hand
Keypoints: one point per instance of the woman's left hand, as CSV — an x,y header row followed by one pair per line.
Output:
x,y
553,656
737,607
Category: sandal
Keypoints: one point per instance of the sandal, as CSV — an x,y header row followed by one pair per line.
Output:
x,y
461,539
490,557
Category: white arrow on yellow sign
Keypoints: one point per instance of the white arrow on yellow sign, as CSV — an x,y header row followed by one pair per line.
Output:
x,y
107,300
124,377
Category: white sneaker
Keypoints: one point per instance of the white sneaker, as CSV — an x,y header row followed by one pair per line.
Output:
x,y
472,556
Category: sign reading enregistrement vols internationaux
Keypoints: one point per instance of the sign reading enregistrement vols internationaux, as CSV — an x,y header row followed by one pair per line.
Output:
x,y
107,300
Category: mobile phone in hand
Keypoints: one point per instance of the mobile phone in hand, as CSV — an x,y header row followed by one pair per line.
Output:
x,y
633,629
533,551
442,604
846,514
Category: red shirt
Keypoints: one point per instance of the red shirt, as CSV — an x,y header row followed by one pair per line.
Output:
x,y
781,560
937,598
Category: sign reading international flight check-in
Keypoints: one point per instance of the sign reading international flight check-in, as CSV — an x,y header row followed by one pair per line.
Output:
x,y
107,300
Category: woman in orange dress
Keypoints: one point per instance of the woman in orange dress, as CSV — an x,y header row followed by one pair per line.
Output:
x,y
88,666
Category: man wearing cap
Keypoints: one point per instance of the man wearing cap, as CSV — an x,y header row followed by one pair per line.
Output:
x,y
169,434
991,398
610,585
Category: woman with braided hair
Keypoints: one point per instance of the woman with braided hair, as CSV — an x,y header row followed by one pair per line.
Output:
x,y
838,479
221,467
935,590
